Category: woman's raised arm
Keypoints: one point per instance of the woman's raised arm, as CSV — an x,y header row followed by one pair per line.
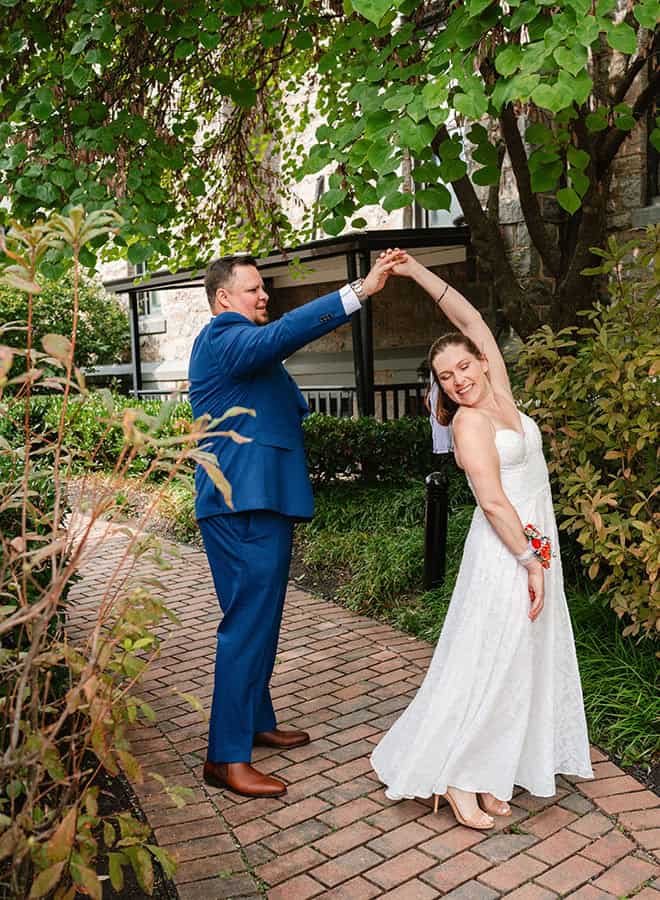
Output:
x,y
462,315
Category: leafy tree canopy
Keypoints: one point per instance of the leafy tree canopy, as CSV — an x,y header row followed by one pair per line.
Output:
x,y
174,113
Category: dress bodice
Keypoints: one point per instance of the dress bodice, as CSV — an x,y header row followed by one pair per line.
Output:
x,y
523,470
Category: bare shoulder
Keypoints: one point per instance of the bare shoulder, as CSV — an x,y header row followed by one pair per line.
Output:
x,y
471,423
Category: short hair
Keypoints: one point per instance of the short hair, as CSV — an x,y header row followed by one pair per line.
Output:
x,y
221,271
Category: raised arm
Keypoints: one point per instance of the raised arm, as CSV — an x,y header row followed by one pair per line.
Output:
x,y
245,348
462,315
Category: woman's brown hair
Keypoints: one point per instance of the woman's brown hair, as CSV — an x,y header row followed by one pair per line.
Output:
x,y
445,408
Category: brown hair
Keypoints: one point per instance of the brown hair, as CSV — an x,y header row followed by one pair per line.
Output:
x,y
445,408
220,273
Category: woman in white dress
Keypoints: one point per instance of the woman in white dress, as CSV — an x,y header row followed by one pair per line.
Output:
x,y
501,704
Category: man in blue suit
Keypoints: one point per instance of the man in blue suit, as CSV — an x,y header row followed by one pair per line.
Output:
x,y
237,361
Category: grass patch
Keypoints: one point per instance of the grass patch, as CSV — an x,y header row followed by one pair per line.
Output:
x,y
620,681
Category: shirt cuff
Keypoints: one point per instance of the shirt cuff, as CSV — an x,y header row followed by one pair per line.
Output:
x,y
349,299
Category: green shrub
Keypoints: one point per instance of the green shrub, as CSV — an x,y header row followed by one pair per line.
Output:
x,y
102,329
593,391
365,449
373,451
374,536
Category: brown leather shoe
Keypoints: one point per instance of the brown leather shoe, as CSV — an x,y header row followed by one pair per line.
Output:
x,y
282,740
243,779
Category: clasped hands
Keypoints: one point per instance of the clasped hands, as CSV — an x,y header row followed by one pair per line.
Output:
x,y
390,262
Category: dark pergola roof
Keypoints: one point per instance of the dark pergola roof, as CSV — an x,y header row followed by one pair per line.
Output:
x,y
353,244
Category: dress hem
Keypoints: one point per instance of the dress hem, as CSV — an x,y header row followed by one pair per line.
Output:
x,y
478,790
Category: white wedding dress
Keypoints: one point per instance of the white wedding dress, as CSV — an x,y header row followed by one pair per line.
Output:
x,y
501,704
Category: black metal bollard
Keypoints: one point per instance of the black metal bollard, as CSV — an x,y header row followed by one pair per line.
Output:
x,y
435,530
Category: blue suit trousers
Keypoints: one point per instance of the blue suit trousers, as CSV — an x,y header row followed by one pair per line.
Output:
x,y
249,554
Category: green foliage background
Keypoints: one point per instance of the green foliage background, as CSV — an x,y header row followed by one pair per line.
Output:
x,y
103,331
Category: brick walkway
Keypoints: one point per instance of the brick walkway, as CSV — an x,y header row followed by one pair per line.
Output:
x,y
344,678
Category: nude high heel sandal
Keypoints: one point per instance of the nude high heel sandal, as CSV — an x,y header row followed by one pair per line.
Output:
x,y
457,813
493,807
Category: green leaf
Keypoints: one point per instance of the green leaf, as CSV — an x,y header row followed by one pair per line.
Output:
x,y
476,7
578,158
587,31
437,197
415,135
373,10
654,138
450,149
549,96
508,60
87,879
46,881
597,121
396,200
625,122
647,13
568,200
453,169
380,157
579,181
486,155
573,60
142,866
271,38
41,111
359,223
487,175
303,41
164,858
545,178
434,94
138,253
196,186
438,116
333,197
621,37
416,110
538,134
525,13
209,39
115,863
427,172
334,226
473,105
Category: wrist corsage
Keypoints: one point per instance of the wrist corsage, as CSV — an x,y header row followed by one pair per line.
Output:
x,y
539,546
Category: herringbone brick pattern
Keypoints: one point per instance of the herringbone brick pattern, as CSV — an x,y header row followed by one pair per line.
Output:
x,y
345,678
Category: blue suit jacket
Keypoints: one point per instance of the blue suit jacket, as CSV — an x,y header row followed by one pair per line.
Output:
x,y
237,363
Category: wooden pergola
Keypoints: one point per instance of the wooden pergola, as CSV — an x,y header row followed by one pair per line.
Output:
x,y
347,257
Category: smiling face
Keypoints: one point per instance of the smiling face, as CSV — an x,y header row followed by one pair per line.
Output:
x,y
244,293
461,374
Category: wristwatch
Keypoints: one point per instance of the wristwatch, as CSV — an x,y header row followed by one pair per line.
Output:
x,y
358,289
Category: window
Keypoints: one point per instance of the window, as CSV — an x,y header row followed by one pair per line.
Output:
x,y
148,301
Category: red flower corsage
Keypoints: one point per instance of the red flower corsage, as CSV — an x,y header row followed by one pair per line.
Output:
x,y
540,545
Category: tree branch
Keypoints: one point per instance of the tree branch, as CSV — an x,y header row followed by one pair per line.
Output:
x,y
489,245
541,237
609,147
